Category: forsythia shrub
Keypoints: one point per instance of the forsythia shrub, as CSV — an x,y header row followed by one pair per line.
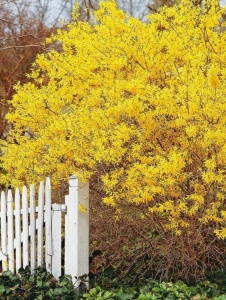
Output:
x,y
140,106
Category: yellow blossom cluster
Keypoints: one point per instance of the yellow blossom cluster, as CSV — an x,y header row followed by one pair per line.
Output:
x,y
140,105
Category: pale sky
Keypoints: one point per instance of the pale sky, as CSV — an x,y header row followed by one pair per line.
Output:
x,y
55,7
135,4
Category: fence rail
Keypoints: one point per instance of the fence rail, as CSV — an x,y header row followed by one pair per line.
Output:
x,y
31,235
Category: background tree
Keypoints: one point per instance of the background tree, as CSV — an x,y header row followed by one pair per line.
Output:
x,y
21,36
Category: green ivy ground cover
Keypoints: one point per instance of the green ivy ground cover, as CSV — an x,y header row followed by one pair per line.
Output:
x,y
43,286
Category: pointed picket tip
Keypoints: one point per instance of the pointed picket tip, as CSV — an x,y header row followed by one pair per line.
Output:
x,y
24,190
17,193
32,188
17,197
24,195
9,196
48,192
41,186
2,195
48,181
9,192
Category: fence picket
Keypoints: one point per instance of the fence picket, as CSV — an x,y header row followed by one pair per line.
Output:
x,y
66,240
25,227
40,223
48,226
3,232
32,227
10,230
17,229
56,240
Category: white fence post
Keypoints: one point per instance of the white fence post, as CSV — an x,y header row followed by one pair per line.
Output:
x,y
77,228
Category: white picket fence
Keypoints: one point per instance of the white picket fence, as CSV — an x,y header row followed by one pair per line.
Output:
x,y
32,235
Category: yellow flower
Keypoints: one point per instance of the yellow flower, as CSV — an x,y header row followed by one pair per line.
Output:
x,y
214,80
82,208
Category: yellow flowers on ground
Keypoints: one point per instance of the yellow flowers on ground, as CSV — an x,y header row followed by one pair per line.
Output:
x,y
141,106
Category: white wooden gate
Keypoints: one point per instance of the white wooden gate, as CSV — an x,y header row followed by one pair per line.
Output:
x,y
32,235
